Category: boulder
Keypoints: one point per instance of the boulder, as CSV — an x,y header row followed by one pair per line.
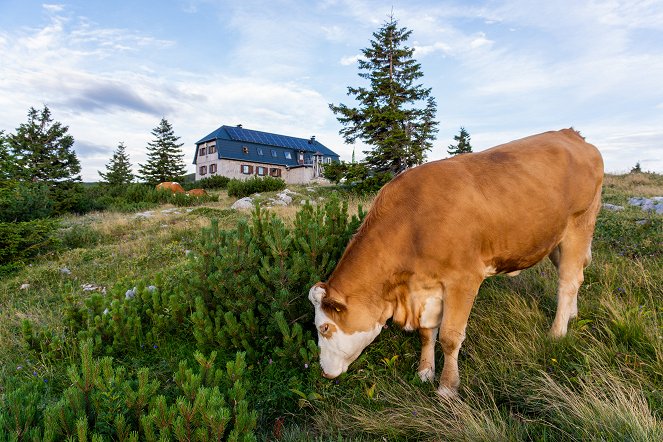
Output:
x,y
243,204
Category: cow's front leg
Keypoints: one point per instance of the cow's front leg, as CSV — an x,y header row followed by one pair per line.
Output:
x,y
426,369
457,306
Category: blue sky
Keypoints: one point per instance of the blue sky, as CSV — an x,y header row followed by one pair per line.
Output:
x,y
502,69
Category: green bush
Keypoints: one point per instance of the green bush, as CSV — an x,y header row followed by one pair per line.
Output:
x,y
23,240
213,182
105,402
356,178
242,188
24,201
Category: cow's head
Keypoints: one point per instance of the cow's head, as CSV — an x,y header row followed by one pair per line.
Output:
x,y
343,331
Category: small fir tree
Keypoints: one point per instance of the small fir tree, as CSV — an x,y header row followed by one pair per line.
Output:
x,y
165,160
462,143
43,150
118,170
636,168
394,116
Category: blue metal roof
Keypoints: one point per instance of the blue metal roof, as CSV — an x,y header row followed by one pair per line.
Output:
x,y
237,143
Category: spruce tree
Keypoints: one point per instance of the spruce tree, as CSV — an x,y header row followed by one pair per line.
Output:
x,y
118,170
43,150
165,160
462,143
394,116
6,160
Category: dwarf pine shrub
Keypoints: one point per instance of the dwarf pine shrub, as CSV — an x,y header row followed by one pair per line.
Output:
x,y
242,188
104,401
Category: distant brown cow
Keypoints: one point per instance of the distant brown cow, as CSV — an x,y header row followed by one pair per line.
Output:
x,y
437,231
197,192
170,185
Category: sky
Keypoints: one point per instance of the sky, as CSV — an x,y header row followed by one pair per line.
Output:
x,y
503,70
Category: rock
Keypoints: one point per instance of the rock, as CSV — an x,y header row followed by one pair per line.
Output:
x,y
283,196
151,288
130,294
243,204
278,202
65,271
92,288
147,214
612,207
25,286
654,204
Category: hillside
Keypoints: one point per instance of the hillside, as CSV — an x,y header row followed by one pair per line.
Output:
x,y
151,290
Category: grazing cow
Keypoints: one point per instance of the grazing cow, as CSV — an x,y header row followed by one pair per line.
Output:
x,y
438,230
171,186
197,192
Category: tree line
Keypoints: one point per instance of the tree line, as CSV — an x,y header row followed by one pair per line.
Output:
x,y
39,159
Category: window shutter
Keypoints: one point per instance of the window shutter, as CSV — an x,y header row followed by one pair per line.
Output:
x,y
250,169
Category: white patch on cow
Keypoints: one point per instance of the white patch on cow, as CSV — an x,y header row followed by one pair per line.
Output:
x,y
316,294
515,273
446,392
431,313
490,271
339,350
426,375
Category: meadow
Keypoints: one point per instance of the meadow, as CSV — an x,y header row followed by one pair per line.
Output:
x,y
193,324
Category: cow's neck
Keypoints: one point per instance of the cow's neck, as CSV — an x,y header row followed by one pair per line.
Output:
x,y
370,281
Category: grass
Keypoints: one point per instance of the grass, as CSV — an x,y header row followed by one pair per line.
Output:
x,y
604,381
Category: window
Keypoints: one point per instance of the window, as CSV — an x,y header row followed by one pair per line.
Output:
x,y
262,170
288,155
245,149
203,170
246,169
274,153
301,158
211,149
275,171
259,150
212,168
202,151
328,160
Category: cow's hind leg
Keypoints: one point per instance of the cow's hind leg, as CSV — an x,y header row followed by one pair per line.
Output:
x,y
570,257
458,302
426,369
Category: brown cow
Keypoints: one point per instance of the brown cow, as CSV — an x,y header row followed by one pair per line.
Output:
x,y
197,192
437,231
171,186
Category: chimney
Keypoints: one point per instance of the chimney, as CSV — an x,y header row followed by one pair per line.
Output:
x,y
239,126
312,140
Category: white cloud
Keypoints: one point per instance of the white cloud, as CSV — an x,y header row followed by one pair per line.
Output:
x,y
351,59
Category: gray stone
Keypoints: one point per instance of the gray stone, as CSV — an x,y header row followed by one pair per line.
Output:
x,y
283,196
130,294
654,204
65,271
243,204
612,207
25,286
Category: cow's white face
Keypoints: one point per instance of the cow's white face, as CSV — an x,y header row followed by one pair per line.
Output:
x,y
338,349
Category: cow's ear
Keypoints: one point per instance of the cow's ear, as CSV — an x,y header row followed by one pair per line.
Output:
x,y
333,305
317,293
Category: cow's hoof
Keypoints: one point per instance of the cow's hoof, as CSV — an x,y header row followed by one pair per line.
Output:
x,y
447,393
426,375
557,333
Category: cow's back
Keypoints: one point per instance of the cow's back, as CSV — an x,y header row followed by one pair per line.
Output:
x,y
507,207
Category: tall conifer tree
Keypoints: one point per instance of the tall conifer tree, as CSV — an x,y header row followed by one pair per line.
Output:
x,y
43,150
395,116
462,143
118,170
165,160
